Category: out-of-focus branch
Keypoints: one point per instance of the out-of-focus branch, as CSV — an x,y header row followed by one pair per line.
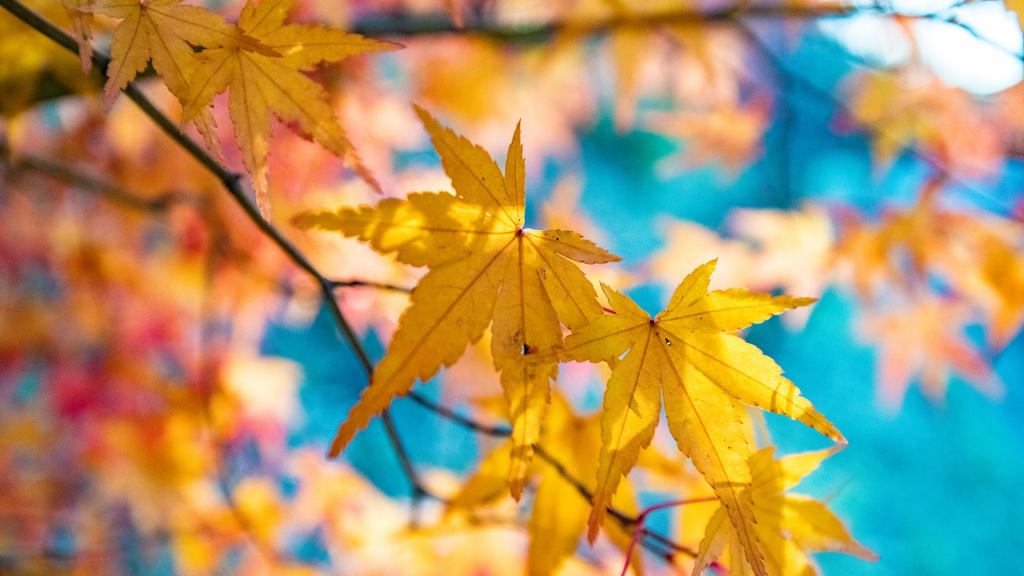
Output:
x,y
412,26
96,186
794,79
641,520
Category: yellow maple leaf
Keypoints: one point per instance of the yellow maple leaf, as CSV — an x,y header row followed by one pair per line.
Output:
x,y
272,79
789,525
559,513
687,355
484,265
80,13
164,32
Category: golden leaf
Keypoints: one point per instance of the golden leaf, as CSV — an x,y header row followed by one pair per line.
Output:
x,y
687,355
271,79
484,266
789,525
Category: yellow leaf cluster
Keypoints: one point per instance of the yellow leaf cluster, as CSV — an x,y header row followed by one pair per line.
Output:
x,y
559,514
261,59
486,268
268,76
687,356
789,525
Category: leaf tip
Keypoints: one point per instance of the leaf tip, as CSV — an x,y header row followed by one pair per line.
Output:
x,y
803,301
304,220
423,115
346,432
389,46
594,523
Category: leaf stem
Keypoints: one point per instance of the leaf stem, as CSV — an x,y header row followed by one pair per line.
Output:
x,y
639,528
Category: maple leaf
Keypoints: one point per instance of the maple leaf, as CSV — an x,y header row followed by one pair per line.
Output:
x,y
686,354
80,13
789,525
559,514
484,265
923,340
632,44
729,134
916,109
273,79
163,31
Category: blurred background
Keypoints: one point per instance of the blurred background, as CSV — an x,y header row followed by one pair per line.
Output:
x,y
170,382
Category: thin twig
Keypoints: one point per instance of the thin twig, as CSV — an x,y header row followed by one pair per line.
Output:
x,y
464,421
369,284
624,519
952,19
96,186
641,520
133,200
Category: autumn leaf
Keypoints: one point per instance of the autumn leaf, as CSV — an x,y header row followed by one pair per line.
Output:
x,y
789,525
80,13
559,514
631,43
484,265
729,134
916,109
687,355
272,79
163,31
923,340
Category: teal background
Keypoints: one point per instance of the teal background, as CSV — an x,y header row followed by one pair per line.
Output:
x,y
934,489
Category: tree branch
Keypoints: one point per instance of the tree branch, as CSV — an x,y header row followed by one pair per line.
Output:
x,y
231,183
369,284
624,519
641,520
413,26
96,186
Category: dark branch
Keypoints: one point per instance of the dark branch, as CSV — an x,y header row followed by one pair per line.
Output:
x,y
412,26
624,519
231,183
793,79
369,284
